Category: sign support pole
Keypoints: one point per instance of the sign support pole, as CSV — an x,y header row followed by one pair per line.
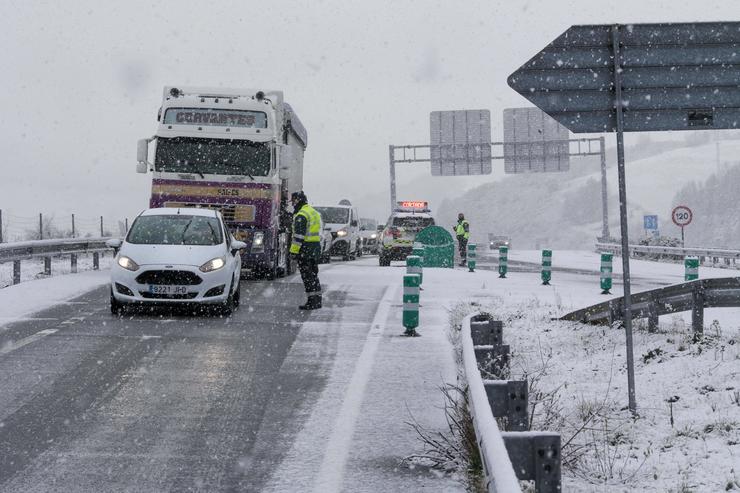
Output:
x,y
604,207
627,321
392,165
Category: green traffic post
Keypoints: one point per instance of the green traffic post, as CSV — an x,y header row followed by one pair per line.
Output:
x,y
471,257
691,265
546,267
606,272
413,266
411,284
418,250
503,261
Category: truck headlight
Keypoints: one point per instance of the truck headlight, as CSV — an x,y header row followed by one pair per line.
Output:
x,y
127,263
213,264
258,241
373,236
342,232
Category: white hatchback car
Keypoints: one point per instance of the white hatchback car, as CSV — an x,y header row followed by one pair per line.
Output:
x,y
176,256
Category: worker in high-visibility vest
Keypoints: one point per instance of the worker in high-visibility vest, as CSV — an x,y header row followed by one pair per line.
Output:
x,y
305,248
462,231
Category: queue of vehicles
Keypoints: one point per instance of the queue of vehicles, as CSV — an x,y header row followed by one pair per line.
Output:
x,y
224,164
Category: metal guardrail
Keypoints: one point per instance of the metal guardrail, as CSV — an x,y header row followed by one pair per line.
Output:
x,y
692,295
514,454
679,252
46,249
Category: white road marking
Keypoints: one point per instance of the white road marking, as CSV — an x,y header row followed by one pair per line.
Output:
x,y
12,346
331,474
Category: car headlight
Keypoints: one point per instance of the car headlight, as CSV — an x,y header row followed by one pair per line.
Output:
x,y
127,263
341,233
373,236
213,264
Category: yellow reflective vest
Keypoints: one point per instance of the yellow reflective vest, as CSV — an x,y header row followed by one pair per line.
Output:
x,y
312,233
460,229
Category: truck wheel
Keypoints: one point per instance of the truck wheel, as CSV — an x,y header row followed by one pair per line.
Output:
x,y
383,260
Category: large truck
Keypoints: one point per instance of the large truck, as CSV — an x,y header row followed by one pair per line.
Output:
x,y
239,151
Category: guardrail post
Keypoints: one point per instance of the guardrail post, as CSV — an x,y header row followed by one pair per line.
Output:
x,y
413,266
653,314
509,399
691,265
535,456
73,263
471,257
47,266
546,267
411,284
503,261
493,360
606,272
697,310
16,271
485,331
96,261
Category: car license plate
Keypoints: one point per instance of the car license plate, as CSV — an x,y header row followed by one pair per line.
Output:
x,y
167,289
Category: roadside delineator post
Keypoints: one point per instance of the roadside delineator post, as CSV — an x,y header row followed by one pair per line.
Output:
x,y
411,284
691,264
413,266
418,250
606,272
546,267
503,261
471,257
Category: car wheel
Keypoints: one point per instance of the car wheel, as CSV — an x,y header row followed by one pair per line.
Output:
x,y
227,306
116,307
384,261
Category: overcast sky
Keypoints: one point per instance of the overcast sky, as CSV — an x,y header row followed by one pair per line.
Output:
x,y
82,81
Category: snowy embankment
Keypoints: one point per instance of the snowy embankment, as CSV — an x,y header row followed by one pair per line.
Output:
x,y
686,436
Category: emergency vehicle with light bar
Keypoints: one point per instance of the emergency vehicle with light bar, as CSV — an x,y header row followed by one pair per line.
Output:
x,y
397,239
238,151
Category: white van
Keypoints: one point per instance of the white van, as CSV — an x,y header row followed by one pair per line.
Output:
x,y
342,221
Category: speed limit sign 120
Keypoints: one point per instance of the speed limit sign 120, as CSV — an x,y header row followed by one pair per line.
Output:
x,y
681,216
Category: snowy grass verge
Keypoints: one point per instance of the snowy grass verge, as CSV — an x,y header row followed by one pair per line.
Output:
x,y
686,436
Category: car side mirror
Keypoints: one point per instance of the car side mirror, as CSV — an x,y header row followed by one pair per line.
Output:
x,y
237,245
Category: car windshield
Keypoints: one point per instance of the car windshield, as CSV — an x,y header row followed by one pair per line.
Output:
x,y
176,229
213,156
336,215
413,222
368,224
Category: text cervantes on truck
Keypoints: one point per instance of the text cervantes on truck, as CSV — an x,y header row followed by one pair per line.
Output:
x,y
239,151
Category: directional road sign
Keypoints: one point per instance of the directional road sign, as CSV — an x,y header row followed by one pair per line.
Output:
x,y
651,222
460,142
673,77
534,142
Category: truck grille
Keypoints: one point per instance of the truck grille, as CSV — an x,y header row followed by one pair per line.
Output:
x,y
230,212
173,277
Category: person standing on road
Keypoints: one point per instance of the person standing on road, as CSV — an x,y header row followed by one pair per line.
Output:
x,y
305,248
462,231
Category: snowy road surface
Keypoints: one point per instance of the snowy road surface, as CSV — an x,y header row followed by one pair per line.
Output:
x,y
271,399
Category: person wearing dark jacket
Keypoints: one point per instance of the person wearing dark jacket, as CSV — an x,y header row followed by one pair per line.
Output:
x,y
305,248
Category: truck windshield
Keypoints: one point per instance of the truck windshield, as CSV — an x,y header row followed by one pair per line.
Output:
x,y
334,215
214,156
175,230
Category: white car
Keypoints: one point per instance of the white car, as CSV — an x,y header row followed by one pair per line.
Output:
x,y
176,256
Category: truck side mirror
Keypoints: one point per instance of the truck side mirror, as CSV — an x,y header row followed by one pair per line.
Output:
x,y
353,224
142,156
